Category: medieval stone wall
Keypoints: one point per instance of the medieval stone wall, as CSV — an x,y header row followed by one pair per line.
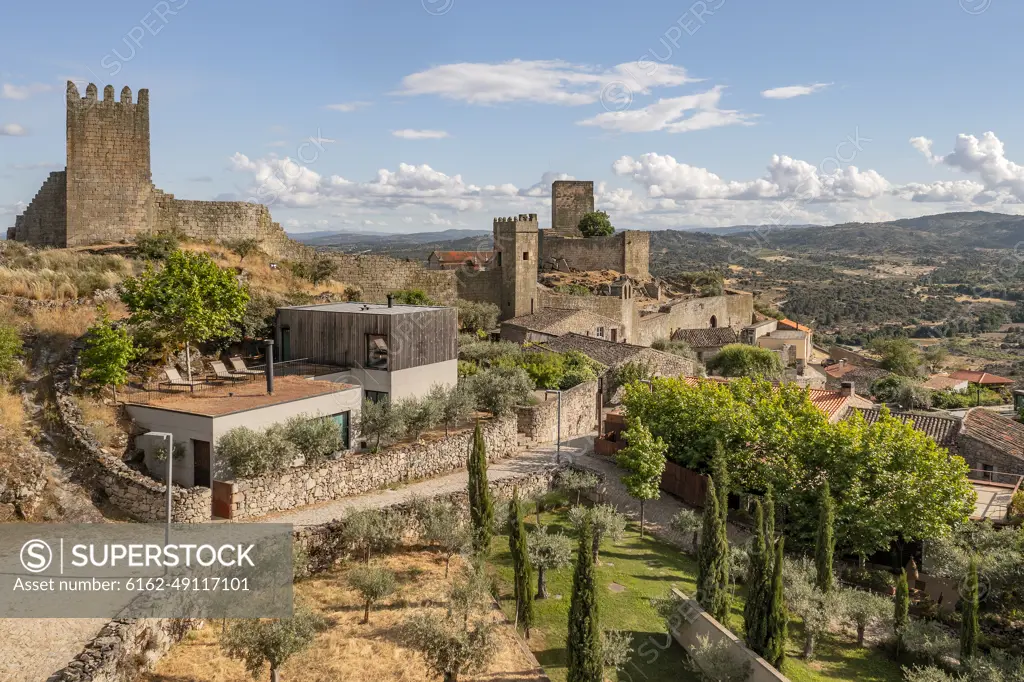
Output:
x,y
109,183
729,310
380,275
358,473
45,221
978,454
627,252
479,285
570,200
621,310
579,414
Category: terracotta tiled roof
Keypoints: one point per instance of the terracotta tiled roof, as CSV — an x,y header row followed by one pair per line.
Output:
x,y
1006,435
794,325
613,354
940,382
980,378
463,256
943,430
706,338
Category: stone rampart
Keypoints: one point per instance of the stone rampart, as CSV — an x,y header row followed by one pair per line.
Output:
x,y
579,414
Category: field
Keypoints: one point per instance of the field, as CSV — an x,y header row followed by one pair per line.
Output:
x,y
632,572
348,650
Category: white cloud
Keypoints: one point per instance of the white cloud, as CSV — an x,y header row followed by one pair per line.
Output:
x,y
21,92
12,130
671,115
790,91
409,134
984,157
946,191
666,178
434,219
545,81
17,208
278,143
347,107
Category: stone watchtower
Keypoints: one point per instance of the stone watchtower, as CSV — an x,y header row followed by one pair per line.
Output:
x,y
515,240
109,180
570,201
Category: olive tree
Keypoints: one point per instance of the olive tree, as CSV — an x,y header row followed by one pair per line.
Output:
x,y
271,642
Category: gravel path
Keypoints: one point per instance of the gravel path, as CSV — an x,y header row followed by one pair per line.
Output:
x,y
35,648
525,462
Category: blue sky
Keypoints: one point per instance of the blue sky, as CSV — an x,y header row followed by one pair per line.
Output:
x,y
413,115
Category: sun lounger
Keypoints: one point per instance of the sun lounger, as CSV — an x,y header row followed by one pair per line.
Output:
x,y
222,374
174,379
239,367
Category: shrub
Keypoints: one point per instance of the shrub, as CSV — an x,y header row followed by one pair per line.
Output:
x,y
417,415
10,352
616,648
572,289
714,662
500,389
680,348
243,247
578,369
740,360
484,351
157,246
628,372
929,640
254,453
315,438
370,530
474,316
1017,505
373,584
412,297
379,423
317,269
454,404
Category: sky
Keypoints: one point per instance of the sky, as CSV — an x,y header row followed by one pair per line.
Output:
x,y
420,115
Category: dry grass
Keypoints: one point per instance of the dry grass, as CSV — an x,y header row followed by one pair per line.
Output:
x,y
349,651
58,274
12,412
102,420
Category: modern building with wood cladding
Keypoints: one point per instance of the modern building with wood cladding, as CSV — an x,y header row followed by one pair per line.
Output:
x,y
393,351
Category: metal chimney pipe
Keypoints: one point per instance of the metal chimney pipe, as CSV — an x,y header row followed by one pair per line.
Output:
x,y
391,300
270,366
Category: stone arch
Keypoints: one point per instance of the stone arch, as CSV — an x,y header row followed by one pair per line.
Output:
x,y
714,321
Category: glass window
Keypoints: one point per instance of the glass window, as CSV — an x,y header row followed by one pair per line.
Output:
x,y
600,332
343,419
376,351
376,396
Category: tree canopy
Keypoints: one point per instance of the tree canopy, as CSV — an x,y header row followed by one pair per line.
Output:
x,y
741,360
887,479
596,224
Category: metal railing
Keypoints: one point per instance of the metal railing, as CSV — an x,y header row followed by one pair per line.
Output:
x,y
999,478
302,367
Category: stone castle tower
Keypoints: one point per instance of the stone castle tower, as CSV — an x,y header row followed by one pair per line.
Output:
x,y
106,192
570,201
515,240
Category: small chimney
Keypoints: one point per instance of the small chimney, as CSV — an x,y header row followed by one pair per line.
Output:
x,y
391,300
847,389
842,362
270,366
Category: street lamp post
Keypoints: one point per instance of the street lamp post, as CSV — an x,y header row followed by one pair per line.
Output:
x,y
558,445
170,459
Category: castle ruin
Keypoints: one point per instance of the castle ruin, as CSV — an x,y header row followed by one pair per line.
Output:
x,y
106,193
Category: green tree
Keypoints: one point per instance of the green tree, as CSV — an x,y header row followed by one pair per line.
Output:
x,y
644,459
379,422
969,627
605,521
446,528
373,583
548,552
260,642
577,481
455,403
156,246
107,353
481,507
934,356
450,646
825,544
523,578
776,632
741,360
10,351
720,475
370,530
899,355
500,389
901,608
865,609
596,224
244,247
190,299
713,560
756,608
411,297
583,644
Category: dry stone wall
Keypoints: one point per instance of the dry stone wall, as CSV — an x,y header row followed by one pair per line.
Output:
x,y
358,473
579,414
627,252
132,492
123,649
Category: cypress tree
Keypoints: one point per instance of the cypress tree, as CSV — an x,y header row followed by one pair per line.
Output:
x,y
713,560
769,532
720,474
583,644
901,614
755,613
825,543
778,620
520,564
969,616
481,508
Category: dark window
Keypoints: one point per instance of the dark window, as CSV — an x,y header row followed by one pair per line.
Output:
x,y
376,351
987,470
714,322
201,463
499,259
343,420
615,334
526,255
376,396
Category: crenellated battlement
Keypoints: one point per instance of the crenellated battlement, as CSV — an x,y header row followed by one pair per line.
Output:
x,y
524,222
77,102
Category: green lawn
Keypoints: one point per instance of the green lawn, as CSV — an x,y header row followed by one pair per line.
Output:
x,y
648,568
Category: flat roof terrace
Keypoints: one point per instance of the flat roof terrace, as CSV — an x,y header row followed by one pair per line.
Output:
x,y
223,399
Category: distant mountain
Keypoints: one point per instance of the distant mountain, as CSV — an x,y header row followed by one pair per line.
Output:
x,y
341,239
737,229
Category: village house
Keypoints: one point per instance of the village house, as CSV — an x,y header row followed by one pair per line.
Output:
x,y
550,323
706,342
